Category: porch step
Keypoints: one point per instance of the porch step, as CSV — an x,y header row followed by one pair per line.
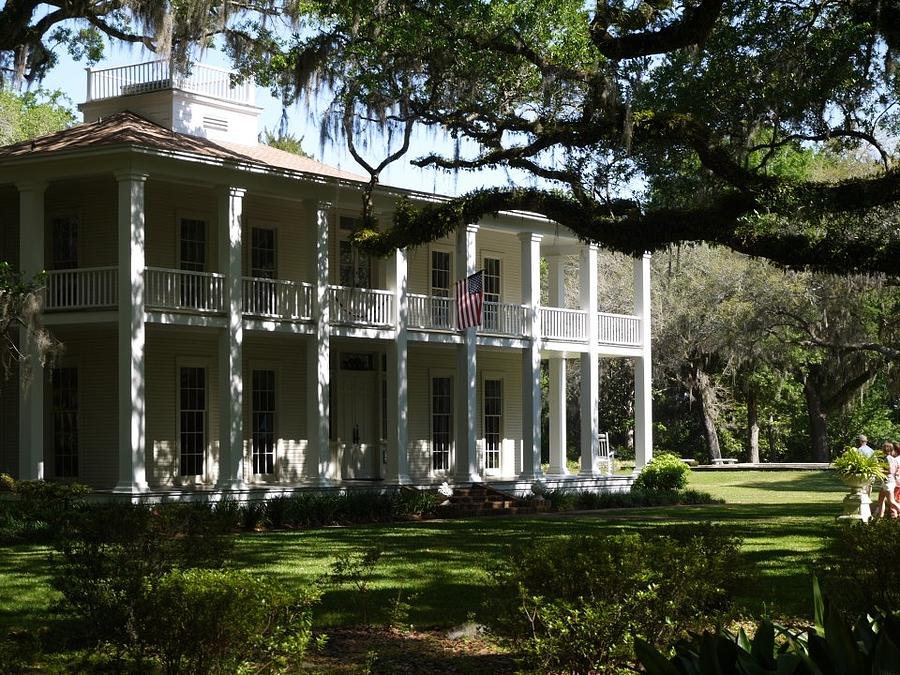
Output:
x,y
480,500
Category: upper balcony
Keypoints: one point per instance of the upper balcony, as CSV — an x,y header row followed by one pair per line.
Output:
x,y
142,78
281,300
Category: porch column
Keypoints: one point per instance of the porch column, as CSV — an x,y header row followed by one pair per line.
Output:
x,y
590,380
319,465
132,439
231,340
397,470
531,357
466,408
31,375
643,393
557,389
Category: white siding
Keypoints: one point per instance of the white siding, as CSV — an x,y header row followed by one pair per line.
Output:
x,y
94,202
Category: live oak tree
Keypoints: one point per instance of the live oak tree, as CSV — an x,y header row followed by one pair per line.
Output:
x,y
595,100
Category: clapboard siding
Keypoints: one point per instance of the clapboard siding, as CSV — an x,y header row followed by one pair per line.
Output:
x,y
167,350
93,202
165,204
286,355
295,235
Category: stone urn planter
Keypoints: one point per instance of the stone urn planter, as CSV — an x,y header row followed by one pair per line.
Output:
x,y
858,472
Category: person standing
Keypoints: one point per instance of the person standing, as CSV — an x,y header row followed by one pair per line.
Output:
x,y
862,444
886,493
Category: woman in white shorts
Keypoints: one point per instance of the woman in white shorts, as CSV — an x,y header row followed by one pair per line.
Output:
x,y
886,493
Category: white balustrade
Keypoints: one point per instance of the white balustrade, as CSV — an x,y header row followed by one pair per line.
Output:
x,y
558,323
619,329
431,312
500,318
361,306
182,290
87,288
277,299
140,78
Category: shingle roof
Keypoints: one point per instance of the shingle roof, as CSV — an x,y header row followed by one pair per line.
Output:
x,y
127,128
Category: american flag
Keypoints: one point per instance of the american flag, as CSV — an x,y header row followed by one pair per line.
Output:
x,y
469,300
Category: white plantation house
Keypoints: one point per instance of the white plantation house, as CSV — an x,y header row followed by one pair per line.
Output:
x,y
221,333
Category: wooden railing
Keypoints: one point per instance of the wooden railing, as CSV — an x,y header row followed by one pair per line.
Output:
x,y
361,306
277,299
86,288
202,292
431,312
500,318
140,78
563,324
619,329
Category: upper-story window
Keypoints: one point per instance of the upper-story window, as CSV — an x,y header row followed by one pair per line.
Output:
x,y
64,246
263,253
441,264
492,292
193,245
354,265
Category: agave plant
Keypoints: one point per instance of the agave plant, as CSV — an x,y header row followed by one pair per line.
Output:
x,y
832,647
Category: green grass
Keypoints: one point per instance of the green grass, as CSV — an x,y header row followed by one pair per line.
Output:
x,y
438,567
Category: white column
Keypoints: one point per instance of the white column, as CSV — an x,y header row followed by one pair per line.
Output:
x,y
231,341
531,357
557,388
466,405
590,379
132,393
320,467
31,375
643,393
397,470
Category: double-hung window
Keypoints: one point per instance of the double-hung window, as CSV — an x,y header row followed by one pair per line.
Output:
x,y
354,265
492,291
441,422
493,416
263,266
192,420
65,422
263,422
195,293
63,288
440,289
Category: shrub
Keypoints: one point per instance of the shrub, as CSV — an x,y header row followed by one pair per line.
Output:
x,y
568,500
664,473
202,621
576,605
859,568
37,509
108,553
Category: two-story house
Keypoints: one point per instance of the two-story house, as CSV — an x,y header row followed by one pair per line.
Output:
x,y
221,332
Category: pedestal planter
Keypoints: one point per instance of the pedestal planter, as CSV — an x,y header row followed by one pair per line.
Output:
x,y
857,504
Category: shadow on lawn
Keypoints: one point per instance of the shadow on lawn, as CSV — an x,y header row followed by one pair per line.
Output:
x,y
816,481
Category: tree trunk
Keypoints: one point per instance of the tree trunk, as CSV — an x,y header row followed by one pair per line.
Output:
x,y
818,422
708,409
753,423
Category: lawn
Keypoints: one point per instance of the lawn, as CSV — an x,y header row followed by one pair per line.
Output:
x,y
438,567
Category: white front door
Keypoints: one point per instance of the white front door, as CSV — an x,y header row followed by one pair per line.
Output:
x,y
357,405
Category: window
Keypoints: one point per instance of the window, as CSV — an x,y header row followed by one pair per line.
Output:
x,y
354,266
440,289
65,422
263,265
192,258
192,418
62,289
441,422
64,247
493,407
263,422
491,293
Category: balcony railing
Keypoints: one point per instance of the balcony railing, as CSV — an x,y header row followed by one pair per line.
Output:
x,y
361,306
619,329
277,299
500,318
87,288
432,312
563,324
140,78
181,290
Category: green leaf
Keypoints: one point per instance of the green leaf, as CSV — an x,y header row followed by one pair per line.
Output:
x,y
763,647
652,660
818,607
886,659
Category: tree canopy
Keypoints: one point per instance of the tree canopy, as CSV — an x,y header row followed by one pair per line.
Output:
x,y
649,123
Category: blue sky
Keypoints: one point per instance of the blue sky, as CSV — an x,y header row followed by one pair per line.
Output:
x,y
69,77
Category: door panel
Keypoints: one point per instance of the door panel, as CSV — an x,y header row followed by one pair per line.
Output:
x,y
357,405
